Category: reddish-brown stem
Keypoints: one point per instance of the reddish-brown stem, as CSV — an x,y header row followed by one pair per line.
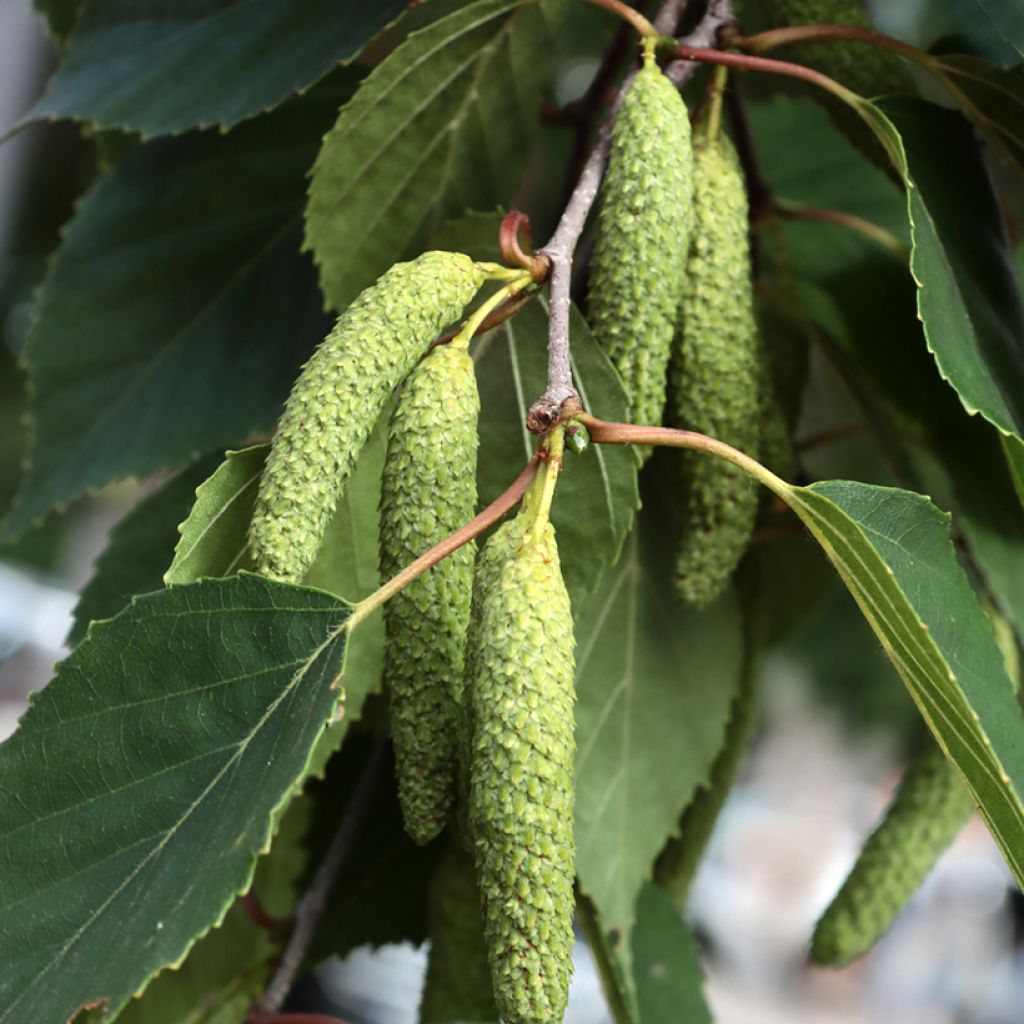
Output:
x,y
888,241
775,67
463,535
769,40
254,908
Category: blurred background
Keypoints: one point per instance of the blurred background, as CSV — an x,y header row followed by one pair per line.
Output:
x,y
834,733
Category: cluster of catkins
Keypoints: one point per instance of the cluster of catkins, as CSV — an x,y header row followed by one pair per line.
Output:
x,y
478,659
671,300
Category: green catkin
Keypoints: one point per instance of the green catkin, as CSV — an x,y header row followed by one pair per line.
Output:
x,y
428,490
930,807
522,791
458,983
716,376
865,69
643,232
338,397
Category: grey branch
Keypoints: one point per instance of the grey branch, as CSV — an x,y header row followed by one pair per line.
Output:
x,y
545,412
311,907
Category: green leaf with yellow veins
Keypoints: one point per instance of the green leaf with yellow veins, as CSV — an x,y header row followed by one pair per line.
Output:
x,y
338,397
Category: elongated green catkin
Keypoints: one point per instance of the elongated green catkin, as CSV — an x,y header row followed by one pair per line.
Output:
x,y
643,232
458,983
930,807
338,397
428,490
715,376
865,69
522,791
500,546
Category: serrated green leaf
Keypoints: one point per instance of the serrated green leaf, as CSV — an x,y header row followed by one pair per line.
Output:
x,y
968,298
444,124
654,684
137,550
213,540
177,308
892,550
167,740
666,972
227,969
142,66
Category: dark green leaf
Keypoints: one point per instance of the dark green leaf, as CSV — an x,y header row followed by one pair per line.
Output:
x,y
177,309
992,96
444,124
230,966
380,895
141,784
138,549
666,972
968,296
655,683
143,66
892,550
1008,18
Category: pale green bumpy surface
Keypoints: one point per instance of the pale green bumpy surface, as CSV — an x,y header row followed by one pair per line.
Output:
x,y
458,985
338,397
521,799
643,235
428,490
716,377
866,70
930,807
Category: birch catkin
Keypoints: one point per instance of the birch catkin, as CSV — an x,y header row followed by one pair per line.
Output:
x,y
428,490
338,397
522,792
715,376
642,238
